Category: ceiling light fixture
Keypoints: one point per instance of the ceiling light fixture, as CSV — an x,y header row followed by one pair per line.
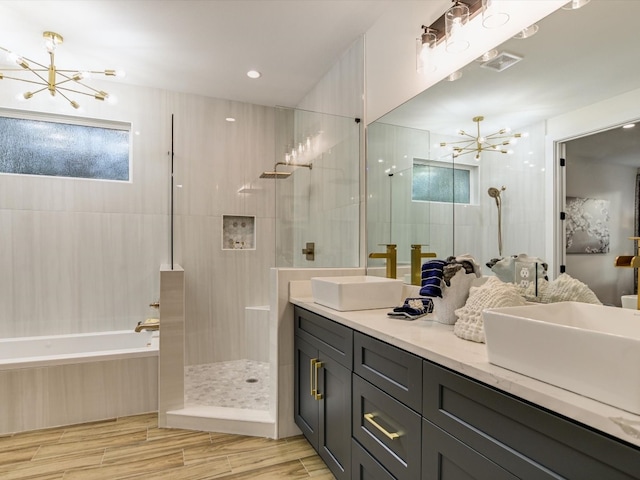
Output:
x,y
424,50
450,29
254,74
491,17
494,142
454,20
54,80
575,4
457,75
528,32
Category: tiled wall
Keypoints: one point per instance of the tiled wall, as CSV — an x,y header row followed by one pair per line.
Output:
x,y
80,255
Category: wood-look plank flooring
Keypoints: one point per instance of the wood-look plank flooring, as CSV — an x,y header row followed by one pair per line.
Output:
x,y
135,448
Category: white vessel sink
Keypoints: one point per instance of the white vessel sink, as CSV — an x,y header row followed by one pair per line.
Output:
x,y
588,349
359,292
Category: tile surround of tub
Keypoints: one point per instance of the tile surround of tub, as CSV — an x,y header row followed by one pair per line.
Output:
x,y
42,397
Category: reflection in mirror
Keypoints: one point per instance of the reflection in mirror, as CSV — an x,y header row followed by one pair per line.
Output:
x,y
564,68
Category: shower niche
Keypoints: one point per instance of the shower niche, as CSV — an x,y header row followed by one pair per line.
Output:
x,y
238,232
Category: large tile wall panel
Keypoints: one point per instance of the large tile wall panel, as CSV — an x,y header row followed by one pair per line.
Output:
x,y
83,255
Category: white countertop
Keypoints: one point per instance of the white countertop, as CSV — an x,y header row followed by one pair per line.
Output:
x,y
436,342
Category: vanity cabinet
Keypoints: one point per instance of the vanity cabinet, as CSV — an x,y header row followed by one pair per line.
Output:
x,y
387,394
322,391
376,412
473,431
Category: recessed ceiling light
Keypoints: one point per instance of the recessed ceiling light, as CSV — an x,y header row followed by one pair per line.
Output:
x,y
254,74
629,125
230,119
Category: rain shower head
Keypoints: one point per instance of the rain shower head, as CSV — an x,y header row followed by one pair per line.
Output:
x,y
276,175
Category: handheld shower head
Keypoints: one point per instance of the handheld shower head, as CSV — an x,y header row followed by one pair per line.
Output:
x,y
495,193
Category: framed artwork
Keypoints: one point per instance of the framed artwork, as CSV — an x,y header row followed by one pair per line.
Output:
x,y
587,225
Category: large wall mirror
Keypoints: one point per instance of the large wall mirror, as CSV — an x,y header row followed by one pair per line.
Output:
x,y
573,62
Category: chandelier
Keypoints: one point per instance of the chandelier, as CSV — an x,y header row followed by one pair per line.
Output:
x,y
55,81
494,142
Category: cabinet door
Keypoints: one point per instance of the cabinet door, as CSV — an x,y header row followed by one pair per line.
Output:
x,y
446,458
334,441
305,404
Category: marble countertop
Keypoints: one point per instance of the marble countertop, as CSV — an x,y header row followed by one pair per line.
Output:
x,y
437,342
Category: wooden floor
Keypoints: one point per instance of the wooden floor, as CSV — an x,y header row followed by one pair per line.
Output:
x,y
135,448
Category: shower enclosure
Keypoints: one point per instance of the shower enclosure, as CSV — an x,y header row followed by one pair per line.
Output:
x,y
295,183
319,204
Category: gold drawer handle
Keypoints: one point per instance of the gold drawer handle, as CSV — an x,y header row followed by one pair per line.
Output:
x,y
318,395
370,418
312,364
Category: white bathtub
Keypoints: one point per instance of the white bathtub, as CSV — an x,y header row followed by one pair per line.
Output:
x,y
66,379
22,352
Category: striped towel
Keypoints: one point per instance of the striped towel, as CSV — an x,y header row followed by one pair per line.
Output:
x,y
432,273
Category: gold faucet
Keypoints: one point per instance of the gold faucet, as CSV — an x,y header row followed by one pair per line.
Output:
x,y
148,324
392,259
416,263
630,261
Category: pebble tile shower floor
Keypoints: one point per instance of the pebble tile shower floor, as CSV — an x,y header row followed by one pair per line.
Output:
x,y
233,384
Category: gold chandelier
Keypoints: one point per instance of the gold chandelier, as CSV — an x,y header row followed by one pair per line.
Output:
x,y
494,142
48,77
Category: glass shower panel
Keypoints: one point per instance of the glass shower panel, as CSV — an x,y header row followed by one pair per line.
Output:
x,y
318,203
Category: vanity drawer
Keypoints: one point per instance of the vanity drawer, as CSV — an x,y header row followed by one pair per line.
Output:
x,y
387,429
395,371
526,440
332,338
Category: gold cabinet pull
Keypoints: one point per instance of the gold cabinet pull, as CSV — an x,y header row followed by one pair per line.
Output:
x,y
313,381
318,395
369,417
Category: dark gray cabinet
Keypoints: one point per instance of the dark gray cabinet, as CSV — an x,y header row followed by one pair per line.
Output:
x,y
376,412
322,393
387,384
497,429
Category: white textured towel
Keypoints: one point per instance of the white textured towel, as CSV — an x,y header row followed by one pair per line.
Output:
x,y
492,294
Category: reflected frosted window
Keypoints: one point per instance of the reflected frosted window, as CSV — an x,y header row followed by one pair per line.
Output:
x,y
440,184
38,147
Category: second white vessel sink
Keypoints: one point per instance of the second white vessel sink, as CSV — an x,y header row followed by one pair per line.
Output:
x,y
358,292
592,350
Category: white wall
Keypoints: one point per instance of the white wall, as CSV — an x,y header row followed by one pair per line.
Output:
x,y
83,255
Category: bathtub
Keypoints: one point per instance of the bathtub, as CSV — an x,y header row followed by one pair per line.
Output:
x,y
58,380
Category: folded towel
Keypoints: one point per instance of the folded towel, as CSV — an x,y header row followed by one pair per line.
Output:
x,y
432,274
413,307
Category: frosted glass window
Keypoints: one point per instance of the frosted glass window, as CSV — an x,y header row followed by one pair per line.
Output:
x,y
440,184
42,147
